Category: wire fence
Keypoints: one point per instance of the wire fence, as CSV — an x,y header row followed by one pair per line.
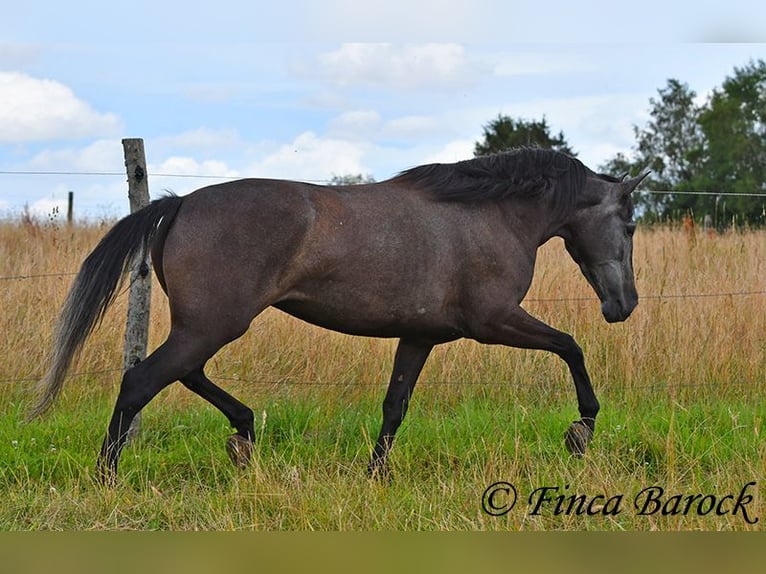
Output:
x,y
526,300
651,297
321,181
37,276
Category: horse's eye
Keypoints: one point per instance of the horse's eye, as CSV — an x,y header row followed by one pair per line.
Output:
x,y
631,228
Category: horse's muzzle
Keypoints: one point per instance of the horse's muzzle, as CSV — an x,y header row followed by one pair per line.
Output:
x,y
616,310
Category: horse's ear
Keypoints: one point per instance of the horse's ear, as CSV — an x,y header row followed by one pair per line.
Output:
x,y
628,186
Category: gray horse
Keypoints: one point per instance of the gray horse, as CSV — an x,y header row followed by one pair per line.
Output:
x,y
437,253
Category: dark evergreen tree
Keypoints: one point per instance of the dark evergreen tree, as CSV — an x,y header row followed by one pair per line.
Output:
x,y
505,132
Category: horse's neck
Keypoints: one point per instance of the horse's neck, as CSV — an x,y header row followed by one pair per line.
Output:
x,y
538,221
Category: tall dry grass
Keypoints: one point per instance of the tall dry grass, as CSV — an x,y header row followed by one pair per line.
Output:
x,y
693,326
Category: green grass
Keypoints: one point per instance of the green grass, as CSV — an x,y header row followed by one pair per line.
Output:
x,y
311,449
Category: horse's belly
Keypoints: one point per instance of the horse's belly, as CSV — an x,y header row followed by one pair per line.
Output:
x,y
373,319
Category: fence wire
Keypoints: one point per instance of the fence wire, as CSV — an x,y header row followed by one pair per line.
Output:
x,y
526,300
658,297
653,297
37,276
320,181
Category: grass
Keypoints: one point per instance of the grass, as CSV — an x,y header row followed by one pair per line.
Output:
x,y
681,385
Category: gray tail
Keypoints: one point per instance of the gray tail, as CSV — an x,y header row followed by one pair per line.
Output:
x,y
95,288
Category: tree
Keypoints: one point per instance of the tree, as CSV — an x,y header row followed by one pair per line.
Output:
x,y
351,179
734,124
671,143
670,146
504,133
719,146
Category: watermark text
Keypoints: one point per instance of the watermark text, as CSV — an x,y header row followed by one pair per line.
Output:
x,y
500,497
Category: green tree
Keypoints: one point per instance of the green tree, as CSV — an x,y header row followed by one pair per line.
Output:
x,y
719,146
734,125
351,179
505,132
670,145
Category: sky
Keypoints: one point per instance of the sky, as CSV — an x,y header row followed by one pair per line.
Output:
x,y
308,90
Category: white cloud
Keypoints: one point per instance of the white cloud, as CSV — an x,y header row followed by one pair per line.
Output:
x,y
177,174
94,197
52,208
99,156
311,158
186,166
431,67
369,126
452,152
106,196
34,109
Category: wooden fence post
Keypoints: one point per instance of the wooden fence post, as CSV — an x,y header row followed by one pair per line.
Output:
x,y
139,297
70,208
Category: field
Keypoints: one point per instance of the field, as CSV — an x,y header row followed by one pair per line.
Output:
x,y
681,383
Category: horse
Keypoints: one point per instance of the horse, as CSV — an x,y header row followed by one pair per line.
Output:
x,y
436,253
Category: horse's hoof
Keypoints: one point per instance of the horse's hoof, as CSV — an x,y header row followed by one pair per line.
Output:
x,y
240,450
577,437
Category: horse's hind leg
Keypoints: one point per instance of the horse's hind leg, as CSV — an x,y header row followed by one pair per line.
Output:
x,y
240,445
408,362
174,359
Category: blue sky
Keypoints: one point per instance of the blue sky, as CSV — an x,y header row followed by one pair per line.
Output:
x,y
305,90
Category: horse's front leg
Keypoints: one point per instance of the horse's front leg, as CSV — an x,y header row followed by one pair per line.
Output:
x,y
408,362
518,328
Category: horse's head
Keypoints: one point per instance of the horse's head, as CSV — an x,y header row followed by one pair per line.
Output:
x,y
599,237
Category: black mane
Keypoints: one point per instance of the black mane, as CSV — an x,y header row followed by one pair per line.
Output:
x,y
521,172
